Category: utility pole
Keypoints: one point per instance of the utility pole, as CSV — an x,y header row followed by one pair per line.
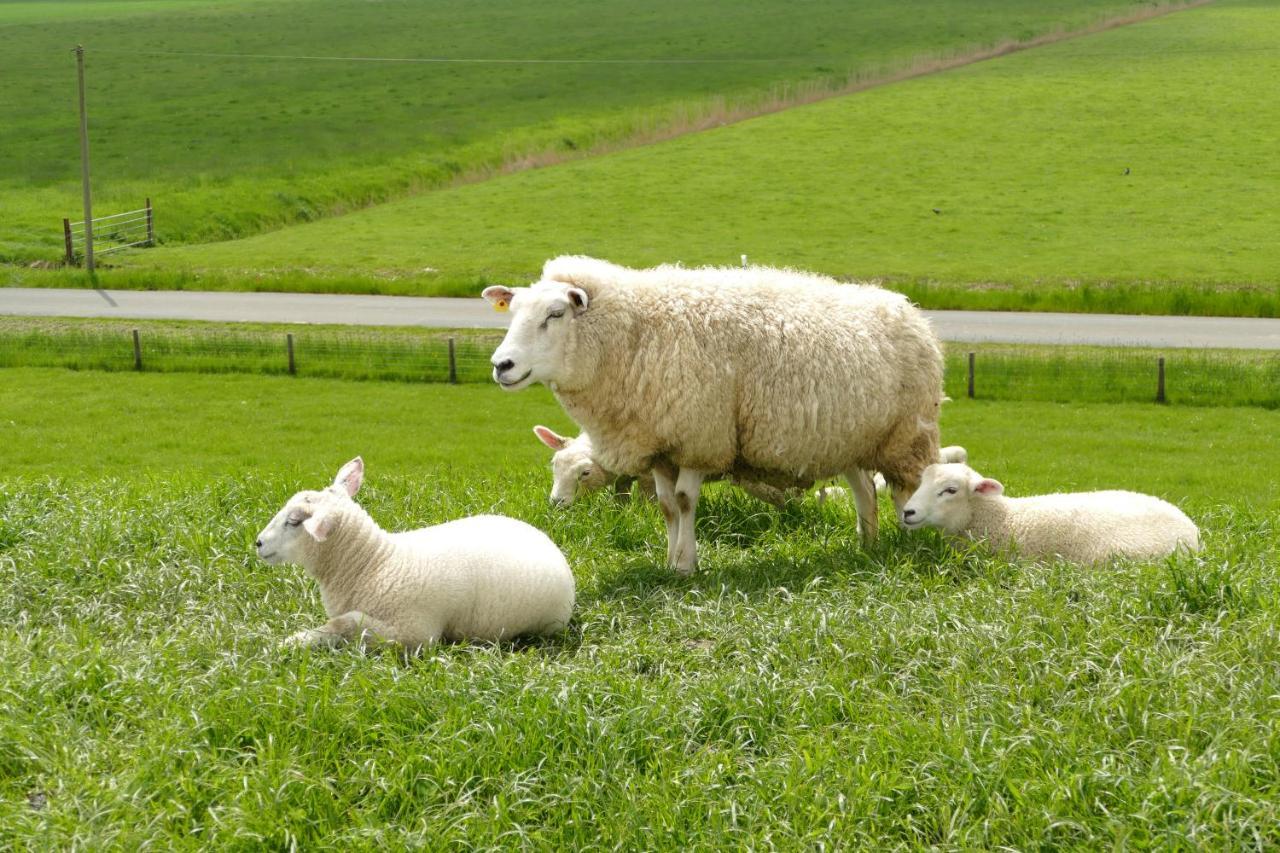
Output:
x,y
84,166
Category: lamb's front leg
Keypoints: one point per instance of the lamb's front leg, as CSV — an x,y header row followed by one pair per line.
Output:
x,y
688,490
664,485
353,625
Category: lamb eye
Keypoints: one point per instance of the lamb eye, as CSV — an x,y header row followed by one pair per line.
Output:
x,y
586,472
949,490
292,522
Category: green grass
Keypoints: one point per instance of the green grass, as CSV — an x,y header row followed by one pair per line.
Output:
x,y
801,690
232,146
1024,157
1001,372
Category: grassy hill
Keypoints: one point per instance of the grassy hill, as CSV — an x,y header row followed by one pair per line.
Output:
x,y
1129,170
801,691
228,146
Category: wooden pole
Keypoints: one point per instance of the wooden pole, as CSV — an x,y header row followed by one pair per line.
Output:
x,y
66,238
84,166
453,364
970,376
151,229
288,343
1160,380
137,351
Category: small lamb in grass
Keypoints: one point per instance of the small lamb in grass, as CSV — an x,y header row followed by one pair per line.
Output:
x,y
487,577
1081,527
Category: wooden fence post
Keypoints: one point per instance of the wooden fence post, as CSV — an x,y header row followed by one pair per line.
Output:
x,y
970,376
66,238
1160,380
137,351
453,364
151,230
288,343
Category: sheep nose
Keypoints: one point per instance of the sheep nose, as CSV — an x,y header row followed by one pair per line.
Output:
x,y
257,544
504,365
908,513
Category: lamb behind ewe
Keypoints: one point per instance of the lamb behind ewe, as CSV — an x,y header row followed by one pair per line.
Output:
x,y
769,375
1081,527
487,577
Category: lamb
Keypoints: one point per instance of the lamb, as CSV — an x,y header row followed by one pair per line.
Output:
x,y
769,375
486,577
1081,527
575,471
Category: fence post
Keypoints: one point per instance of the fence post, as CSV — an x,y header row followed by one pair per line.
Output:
x,y
151,230
288,343
137,351
453,364
970,376
1160,380
66,238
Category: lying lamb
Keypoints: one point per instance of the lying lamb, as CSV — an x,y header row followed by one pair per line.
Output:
x,y
486,577
1082,527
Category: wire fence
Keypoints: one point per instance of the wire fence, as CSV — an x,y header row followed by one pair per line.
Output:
x,y
983,372
110,233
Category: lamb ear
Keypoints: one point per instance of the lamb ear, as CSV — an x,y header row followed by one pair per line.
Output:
x,y
988,486
578,299
350,477
499,297
319,524
549,438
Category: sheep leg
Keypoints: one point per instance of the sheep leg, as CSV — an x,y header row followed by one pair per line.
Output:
x,y
665,487
688,490
341,629
864,499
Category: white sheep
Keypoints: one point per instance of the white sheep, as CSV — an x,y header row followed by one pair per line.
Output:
x,y
770,375
950,453
487,577
1082,527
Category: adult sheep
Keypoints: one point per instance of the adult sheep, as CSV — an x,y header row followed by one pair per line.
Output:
x,y
769,375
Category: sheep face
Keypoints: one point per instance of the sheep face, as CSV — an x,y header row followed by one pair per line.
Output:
x,y
572,468
296,532
945,497
542,316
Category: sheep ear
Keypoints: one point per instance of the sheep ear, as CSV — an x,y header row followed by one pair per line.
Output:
x,y
499,297
319,524
578,299
350,477
987,486
549,438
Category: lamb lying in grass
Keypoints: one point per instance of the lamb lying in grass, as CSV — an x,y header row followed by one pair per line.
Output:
x,y
486,577
1082,527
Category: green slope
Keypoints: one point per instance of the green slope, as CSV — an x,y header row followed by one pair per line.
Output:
x,y
1143,155
228,146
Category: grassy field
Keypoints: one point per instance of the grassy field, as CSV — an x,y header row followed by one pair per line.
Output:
x,y
1127,171
801,690
1084,374
228,146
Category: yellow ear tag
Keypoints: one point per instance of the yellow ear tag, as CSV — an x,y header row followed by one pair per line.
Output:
x,y
500,305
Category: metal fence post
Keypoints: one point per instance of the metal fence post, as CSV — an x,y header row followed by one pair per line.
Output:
x,y
1160,380
288,343
151,229
453,364
137,351
970,376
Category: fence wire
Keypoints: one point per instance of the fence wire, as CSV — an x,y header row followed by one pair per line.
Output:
x,y
1055,374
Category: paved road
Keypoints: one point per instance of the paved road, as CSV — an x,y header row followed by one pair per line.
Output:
x,y
961,326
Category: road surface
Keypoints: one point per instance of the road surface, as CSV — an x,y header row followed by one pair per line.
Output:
x,y
959,326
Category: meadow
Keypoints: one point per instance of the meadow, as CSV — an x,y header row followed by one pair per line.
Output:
x,y
1123,171
801,690
227,145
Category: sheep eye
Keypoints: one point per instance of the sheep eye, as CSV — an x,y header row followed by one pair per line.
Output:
x,y
586,472
553,315
949,490
292,522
